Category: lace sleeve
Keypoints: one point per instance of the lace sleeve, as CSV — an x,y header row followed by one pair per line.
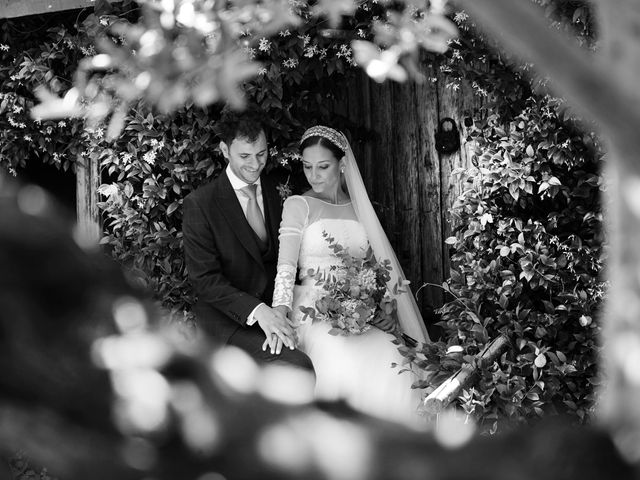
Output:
x,y
295,213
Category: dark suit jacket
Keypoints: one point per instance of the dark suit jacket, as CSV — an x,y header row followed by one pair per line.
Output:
x,y
224,262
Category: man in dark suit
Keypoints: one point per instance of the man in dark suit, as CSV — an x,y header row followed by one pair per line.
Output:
x,y
230,228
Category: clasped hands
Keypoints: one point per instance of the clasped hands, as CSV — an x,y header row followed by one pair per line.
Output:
x,y
277,326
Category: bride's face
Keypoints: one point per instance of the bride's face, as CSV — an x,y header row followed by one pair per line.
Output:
x,y
321,168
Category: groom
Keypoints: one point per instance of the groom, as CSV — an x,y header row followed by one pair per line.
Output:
x,y
230,230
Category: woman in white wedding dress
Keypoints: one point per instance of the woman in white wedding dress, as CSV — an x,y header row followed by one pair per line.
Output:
x,y
355,368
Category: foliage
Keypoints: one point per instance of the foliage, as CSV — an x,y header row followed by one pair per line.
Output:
x,y
190,51
21,470
28,60
356,296
504,82
528,255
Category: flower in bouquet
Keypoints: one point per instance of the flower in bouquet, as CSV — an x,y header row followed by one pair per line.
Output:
x,y
356,295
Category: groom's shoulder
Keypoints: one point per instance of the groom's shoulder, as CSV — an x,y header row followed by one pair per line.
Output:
x,y
205,190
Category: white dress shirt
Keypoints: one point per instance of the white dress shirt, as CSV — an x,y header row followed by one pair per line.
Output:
x,y
237,184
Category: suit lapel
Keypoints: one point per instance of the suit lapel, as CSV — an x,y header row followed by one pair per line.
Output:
x,y
229,206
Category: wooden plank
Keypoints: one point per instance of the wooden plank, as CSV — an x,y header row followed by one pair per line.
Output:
x,y
21,8
428,204
455,104
382,194
406,155
87,183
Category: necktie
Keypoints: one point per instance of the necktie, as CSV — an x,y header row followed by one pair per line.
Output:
x,y
254,215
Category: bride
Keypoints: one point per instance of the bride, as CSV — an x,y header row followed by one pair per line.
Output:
x,y
354,368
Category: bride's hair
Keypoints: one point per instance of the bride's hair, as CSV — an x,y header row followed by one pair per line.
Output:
x,y
337,152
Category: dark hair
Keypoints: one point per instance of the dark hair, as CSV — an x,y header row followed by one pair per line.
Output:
x,y
324,142
246,124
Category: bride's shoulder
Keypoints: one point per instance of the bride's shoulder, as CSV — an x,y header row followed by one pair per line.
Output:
x,y
296,203
295,199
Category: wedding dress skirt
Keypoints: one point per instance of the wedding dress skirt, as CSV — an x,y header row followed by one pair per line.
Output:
x,y
357,368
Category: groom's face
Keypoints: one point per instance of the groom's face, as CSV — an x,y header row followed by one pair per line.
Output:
x,y
246,159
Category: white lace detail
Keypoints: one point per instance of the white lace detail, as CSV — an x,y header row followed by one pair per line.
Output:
x,y
283,287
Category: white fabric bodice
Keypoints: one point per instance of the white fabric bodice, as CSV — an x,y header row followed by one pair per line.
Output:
x,y
303,246
314,247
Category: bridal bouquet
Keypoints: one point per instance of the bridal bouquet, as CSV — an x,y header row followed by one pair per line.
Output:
x,y
356,295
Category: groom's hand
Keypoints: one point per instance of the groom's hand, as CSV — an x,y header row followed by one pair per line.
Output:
x,y
276,327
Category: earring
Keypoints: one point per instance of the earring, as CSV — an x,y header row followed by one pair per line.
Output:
x,y
342,170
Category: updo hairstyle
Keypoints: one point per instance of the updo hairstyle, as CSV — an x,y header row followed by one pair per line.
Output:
x,y
337,152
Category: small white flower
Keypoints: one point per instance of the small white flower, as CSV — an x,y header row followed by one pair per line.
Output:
x,y
251,52
323,53
265,45
460,17
104,21
305,39
361,33
284,161
13,172
17,109
62,123
150,157
14,77
99,132
88,51
311,51
285,33
126,157
21,125
4,48
153,142
27,138
262,71
290,63
273,151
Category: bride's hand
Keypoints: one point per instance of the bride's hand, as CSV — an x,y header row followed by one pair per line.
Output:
x,y
386,325
284,310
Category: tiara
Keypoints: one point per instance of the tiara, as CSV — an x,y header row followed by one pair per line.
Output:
x,y
334,136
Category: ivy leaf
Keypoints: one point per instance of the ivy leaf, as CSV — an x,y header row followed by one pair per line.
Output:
x,y
530,151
